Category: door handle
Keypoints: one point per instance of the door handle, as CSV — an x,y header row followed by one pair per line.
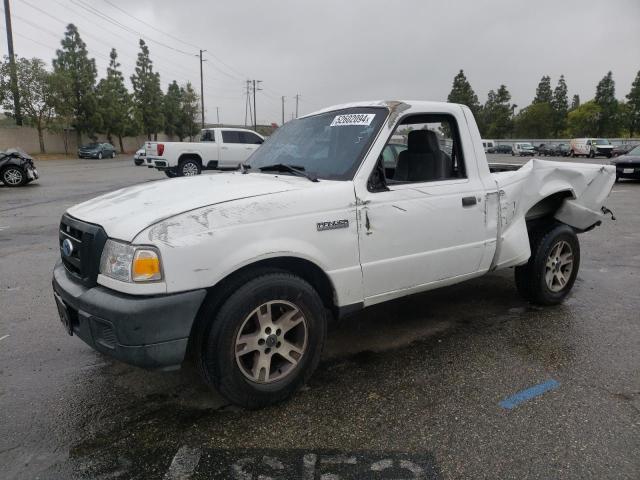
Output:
x,y
224,148
468,201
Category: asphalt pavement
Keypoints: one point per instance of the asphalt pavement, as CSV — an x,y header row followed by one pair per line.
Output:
x,y
467,381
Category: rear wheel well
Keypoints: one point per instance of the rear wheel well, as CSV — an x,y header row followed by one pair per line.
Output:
x,y
541,214
190,156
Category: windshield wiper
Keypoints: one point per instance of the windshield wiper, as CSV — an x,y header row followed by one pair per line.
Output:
x,y
286,167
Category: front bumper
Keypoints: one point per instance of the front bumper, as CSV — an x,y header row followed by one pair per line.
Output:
x,y
628,170
149,332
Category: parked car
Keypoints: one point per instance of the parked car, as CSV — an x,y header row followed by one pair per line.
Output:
x,y
139,156
487,144
590,147
218,149
622,149
523,149
560,150
16,168
628,165
97,150
502,149
247,267
546,149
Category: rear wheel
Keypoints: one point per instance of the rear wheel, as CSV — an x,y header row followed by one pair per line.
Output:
x,y
264,342
14,176
189,168
113,154
100,156
171,173
548,276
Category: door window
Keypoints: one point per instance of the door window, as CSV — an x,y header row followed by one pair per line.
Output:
x,y
231,136
250,137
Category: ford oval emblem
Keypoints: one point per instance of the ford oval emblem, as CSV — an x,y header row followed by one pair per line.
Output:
x,y
67,247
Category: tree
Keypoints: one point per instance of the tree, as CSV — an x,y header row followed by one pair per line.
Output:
x,y
575,102
583,121
114,102
462,93
535,121
606,99
543,92
147,94
497,114
76,84
172,105
189,113
34,92
633,107
560,106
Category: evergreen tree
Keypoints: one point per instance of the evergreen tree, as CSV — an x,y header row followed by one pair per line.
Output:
x,y
461,92
35,90
534,121
76,82
560,106
147,94
543,92
189,112
172,105
497,114
633,107
575,102
606,100
114,102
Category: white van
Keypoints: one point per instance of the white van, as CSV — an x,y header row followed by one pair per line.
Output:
x,y
487,144
590,147
523,149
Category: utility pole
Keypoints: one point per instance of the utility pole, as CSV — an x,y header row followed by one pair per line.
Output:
x,y
297,100
256,86
12,65
282,110
246,104
201,86
218,115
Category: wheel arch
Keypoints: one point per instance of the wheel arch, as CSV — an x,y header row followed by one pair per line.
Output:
x,y
545,209
220,291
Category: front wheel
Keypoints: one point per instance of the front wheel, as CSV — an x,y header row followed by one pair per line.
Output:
x,y
548,276
14,176
113,154
592,154
100,156
264,342
572,154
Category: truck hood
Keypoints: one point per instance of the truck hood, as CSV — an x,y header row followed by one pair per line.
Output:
x,y
126,212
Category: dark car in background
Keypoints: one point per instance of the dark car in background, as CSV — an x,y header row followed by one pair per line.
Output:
x,y
561,150
500,149
140,156
623,149
97,150
547,149
16,168
628,165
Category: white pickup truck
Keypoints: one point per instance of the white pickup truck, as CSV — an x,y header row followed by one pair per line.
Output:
x,y
243,270
218,149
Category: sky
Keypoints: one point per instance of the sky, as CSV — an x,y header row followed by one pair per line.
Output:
x,y
337,51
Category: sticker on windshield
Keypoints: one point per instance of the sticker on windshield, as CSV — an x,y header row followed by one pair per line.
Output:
x,y
353,119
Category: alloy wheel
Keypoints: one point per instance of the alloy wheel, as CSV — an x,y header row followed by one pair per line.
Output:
x,y
13,176
559,266
271,341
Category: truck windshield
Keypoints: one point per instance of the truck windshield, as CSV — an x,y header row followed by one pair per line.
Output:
x,y
329,145
601,141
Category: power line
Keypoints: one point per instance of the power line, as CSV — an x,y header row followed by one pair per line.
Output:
x,y
149,25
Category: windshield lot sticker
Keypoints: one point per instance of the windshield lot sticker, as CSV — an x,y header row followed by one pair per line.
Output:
x,y
353,119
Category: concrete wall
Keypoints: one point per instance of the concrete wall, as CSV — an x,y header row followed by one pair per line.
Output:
x,y
26,138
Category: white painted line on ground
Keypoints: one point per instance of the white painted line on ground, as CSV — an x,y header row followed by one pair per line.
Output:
x,y
183,464
3,337
618,191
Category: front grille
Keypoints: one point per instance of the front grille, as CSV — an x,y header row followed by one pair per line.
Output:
x,y
87,241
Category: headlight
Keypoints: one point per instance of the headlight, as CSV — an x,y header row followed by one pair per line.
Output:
x,y
129,263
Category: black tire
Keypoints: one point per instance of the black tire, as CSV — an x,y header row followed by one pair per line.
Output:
x,y
14,176
100,156
572,154
171,173
214,345
592,154
113,154
531,278
189,167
